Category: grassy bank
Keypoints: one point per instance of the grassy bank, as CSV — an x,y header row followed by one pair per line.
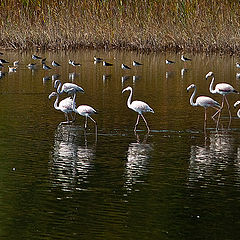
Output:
x,y
157,25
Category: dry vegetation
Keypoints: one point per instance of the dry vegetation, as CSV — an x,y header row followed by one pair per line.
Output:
x,y
154,25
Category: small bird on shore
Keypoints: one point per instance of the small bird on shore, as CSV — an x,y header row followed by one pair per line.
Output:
x,y
73,63
12,69
2,61
35,57
125,67
32,66
97,59
185,59
15,63
55,64
46,67
169,62
136,64
237,65
106,64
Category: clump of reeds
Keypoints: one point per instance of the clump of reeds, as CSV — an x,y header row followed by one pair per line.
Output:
x,y
154,25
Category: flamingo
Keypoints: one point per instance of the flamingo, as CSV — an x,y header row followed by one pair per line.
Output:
x,y
67,87
221,88
138,106
235,105
85,111
66,105
203,101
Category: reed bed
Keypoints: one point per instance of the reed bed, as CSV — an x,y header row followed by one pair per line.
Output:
x,y
154,25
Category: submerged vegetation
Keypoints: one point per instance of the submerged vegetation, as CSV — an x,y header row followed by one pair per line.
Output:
x,y
154,25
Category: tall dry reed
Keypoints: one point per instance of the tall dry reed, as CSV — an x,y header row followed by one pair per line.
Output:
x,y
154,25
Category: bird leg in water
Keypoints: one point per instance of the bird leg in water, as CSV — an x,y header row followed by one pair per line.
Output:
x,y
205,120
230,115
145,123
135,128
94,123
85,125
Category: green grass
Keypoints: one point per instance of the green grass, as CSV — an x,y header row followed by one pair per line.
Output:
x,y
157,25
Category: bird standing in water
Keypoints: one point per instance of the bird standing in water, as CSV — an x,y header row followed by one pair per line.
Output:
x,y
138,106
203,101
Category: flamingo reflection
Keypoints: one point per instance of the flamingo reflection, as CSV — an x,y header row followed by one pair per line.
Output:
x,y
212,158
137,161
72,159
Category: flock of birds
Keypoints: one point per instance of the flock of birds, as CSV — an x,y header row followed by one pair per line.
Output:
x,y
68,105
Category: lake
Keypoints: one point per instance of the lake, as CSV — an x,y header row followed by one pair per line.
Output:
x,y
62,182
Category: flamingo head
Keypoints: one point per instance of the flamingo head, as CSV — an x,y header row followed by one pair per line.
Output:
x,y
190,87
236,103
56,83
210,74
127,89
52,95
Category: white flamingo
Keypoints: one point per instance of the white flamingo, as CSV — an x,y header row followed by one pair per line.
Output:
x,y
221,88
203,101
67,87
66,105
235,105
139,107
85,111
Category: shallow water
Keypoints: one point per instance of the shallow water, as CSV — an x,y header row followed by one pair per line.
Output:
x,y
60,182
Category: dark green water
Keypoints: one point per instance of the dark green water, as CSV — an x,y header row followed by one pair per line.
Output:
x,y
59,182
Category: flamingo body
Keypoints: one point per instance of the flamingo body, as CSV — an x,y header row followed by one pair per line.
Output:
x,y
67,87
66,105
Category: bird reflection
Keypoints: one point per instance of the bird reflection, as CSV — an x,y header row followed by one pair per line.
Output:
x,y
72,159
212,158
137,161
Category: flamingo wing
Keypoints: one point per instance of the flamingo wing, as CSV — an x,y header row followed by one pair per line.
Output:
x,y
141,107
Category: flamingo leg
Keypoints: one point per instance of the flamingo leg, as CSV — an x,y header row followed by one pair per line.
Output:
x,y
230,115
85,125
219,110
145,123
205,120
94,122
135,128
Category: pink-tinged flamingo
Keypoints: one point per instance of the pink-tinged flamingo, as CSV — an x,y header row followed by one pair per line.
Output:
x,y
139,107
66,105
67,87
221,88
235,105
203,101
85,111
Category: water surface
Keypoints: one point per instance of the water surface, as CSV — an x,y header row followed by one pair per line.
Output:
x,y
60,182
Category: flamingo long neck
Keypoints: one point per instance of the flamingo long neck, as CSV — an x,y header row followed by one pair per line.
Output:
x,y
211,86
73,102
59,88
238,113
193,95
129,99
56,103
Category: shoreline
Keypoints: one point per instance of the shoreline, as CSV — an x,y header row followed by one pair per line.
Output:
x,y
142,26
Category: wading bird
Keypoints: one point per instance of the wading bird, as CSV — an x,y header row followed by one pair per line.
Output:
x,y
125,67
55,64
66,106
35,57
67,87
139,107
203,101
85,111
185,59
136,64
221,88
106,64
169,62
46,67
